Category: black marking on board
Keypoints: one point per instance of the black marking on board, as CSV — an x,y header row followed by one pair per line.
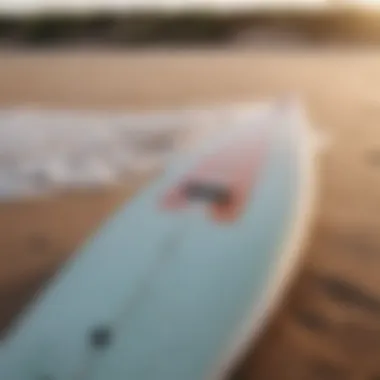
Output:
x,y
211,192
101,337
349,294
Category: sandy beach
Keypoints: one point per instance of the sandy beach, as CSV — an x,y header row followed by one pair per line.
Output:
x,y
329,325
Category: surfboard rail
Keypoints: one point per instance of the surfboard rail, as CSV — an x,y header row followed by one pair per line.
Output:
x,y
157,290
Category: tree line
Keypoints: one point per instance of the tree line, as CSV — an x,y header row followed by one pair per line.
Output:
x,y
137,29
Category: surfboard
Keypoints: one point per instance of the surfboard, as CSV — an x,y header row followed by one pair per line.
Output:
x,y
182,278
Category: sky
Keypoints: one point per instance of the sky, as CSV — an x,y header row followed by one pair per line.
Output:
x,y
32,5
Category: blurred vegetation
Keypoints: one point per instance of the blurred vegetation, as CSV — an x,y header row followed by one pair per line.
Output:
x,y
138,29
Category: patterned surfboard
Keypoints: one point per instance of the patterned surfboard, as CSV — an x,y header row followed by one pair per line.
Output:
x,y
182,278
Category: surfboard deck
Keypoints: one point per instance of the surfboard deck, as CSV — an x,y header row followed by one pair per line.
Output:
x,y
177,283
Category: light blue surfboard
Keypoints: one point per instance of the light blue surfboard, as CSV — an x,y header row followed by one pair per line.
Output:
x,y
176,284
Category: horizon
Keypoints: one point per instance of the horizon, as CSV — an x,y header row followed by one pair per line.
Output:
x,y
37,6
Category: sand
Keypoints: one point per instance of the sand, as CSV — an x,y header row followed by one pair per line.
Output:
x,y
329,325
